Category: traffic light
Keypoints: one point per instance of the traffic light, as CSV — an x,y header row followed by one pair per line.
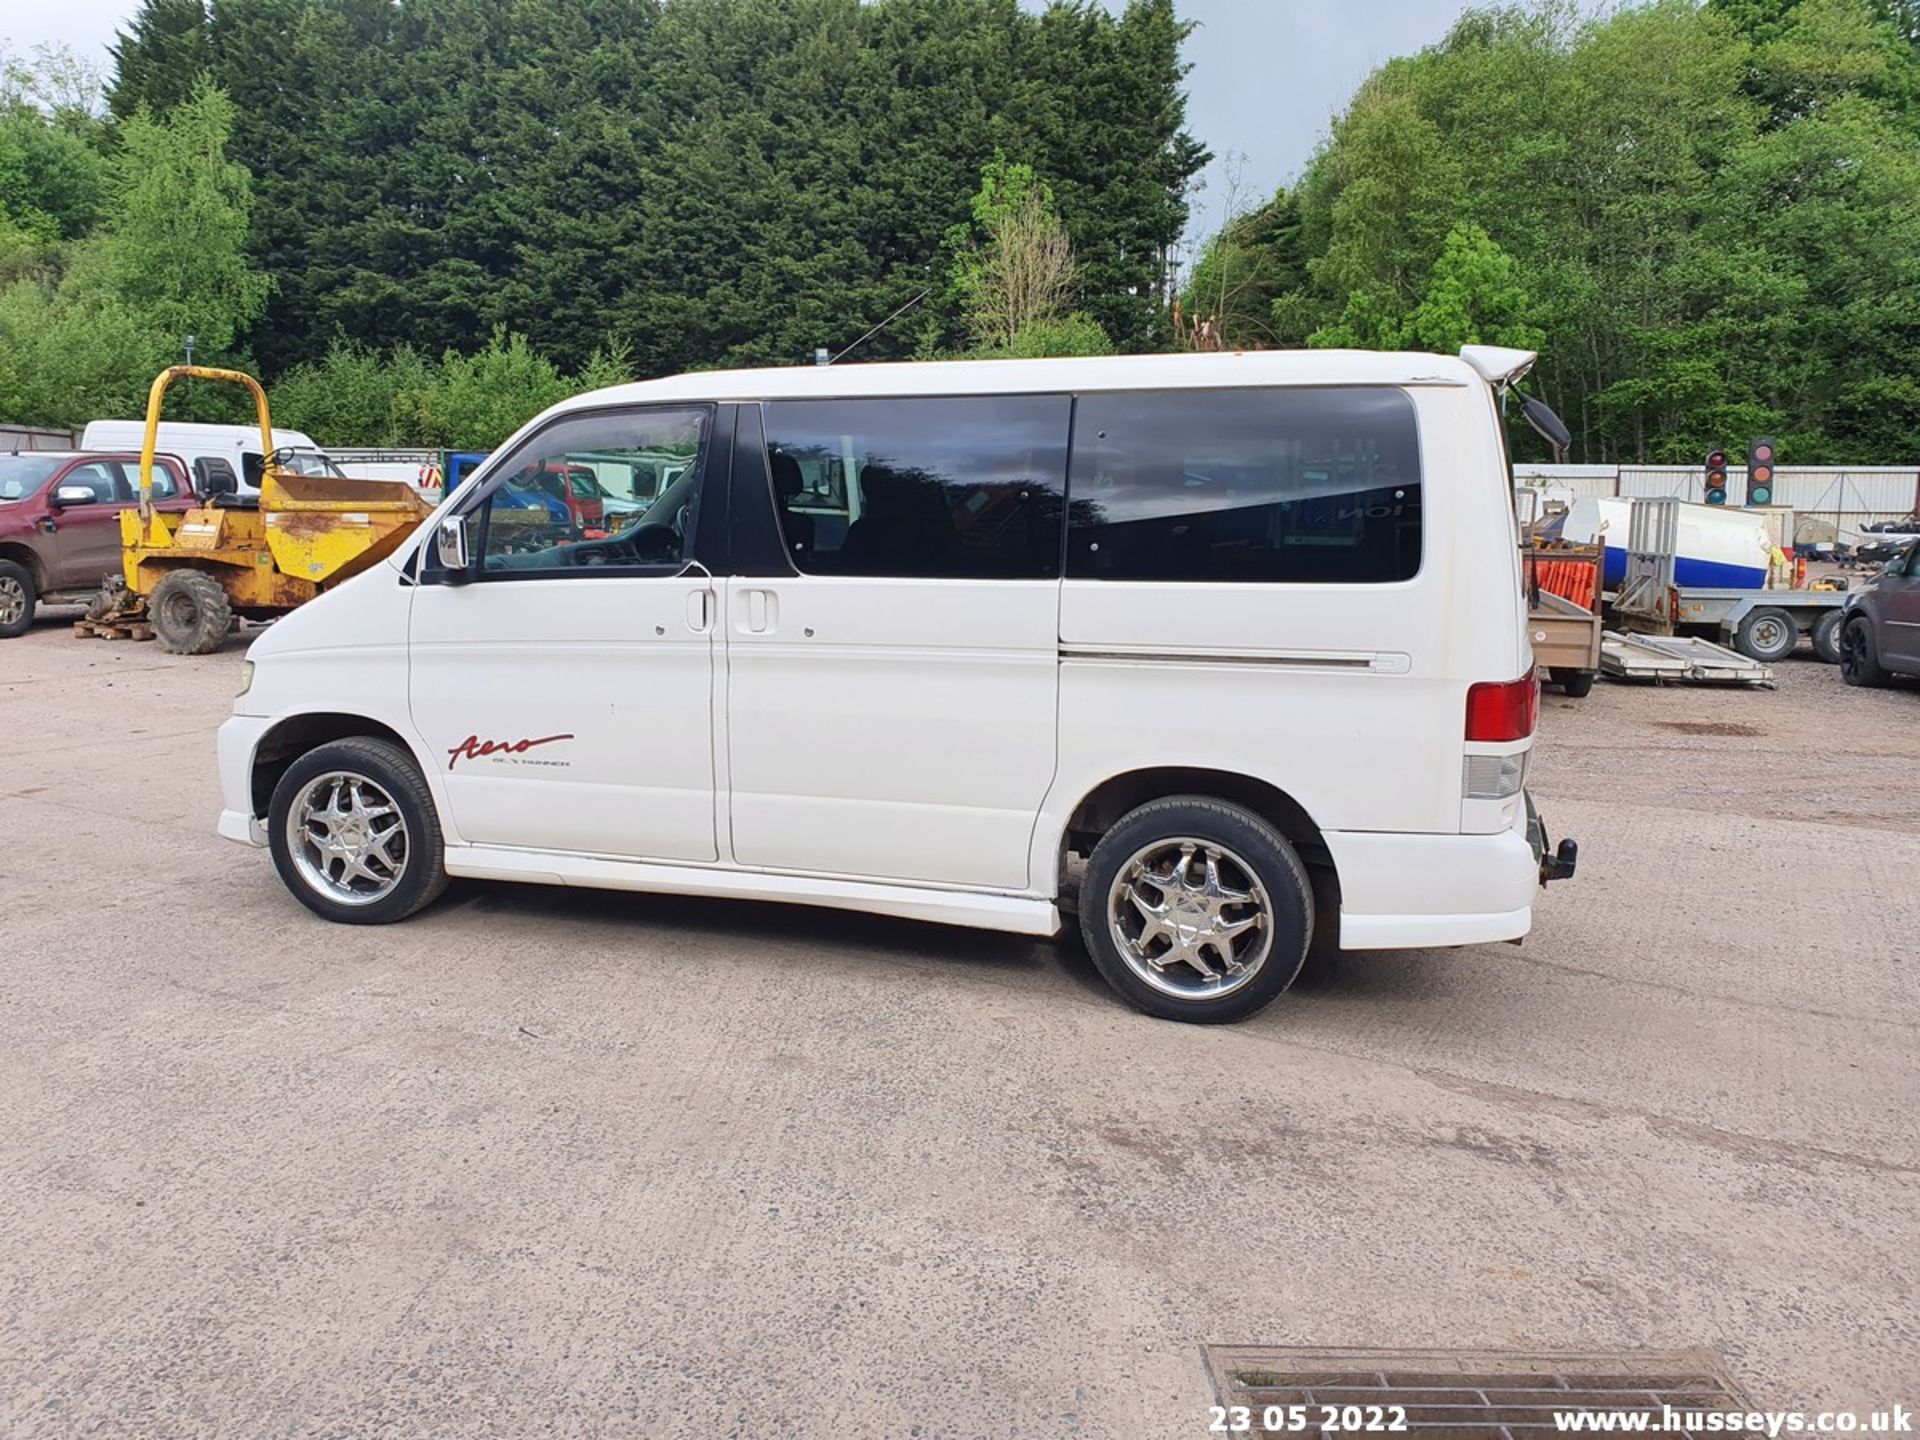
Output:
x,y
1760,472
1716,477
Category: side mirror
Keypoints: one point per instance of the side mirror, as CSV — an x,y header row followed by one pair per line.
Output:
x,y
450,546
65,495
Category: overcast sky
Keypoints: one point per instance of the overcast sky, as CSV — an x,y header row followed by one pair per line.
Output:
x,y
1267,74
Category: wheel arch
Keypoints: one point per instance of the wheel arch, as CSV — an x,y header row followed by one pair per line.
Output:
x,y
29,559
1102,807
294,736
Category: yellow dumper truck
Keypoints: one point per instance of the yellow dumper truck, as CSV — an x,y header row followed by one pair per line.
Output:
x,y
189,575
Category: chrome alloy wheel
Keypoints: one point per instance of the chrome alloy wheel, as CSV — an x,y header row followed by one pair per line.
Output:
x,y
1190,918
13,600
347,838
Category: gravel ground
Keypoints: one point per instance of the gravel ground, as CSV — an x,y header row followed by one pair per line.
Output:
x,y
545,1162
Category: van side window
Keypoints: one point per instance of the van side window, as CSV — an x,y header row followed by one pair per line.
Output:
x,y
967,487
103,477
597,491
1293,485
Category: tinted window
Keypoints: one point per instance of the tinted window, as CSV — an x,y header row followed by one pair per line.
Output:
x,y
965,487
587,494
1258,486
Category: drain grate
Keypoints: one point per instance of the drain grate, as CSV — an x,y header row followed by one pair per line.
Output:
x,y
1468,1394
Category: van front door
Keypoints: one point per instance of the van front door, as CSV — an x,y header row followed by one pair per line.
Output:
x,y
891,706
565,686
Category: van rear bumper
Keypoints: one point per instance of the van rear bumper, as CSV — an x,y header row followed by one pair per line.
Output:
x,y
1401,892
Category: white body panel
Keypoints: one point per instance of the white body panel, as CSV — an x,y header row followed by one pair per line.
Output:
x,y
919,747
612,682
191,440
901,729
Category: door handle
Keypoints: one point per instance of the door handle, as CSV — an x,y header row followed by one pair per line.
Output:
x,y
762,615
700,611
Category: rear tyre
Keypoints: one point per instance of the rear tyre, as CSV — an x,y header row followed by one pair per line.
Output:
x,y
1576,683
354,833
1826,636
18,597
1767,634
190,612
1196,910
1859,660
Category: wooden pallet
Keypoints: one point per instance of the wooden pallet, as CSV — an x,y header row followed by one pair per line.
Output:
x,y
132,628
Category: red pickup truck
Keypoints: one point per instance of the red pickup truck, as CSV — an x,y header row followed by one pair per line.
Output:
x,y
60,525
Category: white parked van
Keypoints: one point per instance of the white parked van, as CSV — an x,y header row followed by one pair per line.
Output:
x,y
1215,651
225,459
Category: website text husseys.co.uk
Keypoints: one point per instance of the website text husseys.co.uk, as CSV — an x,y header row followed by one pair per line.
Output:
x,y
1675,1420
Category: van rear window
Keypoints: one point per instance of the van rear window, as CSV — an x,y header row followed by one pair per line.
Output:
x,y
1299,485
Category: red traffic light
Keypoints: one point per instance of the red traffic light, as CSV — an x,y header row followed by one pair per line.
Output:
x,y
1762,453
1717,459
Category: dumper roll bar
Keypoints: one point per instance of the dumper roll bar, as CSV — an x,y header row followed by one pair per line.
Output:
x,y
157,392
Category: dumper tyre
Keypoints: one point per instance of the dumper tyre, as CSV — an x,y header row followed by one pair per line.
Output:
x,y
1767,634
190,613
18,598
1859,661
355,835
1192,876
1826,636
1576,684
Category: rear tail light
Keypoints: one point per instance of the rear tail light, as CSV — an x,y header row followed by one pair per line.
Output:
x,y
1503,710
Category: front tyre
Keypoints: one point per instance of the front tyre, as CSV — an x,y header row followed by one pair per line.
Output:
x,y
1196,910
354,833
18,597
190,612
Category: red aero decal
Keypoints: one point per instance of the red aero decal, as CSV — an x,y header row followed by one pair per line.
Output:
x,y
474,748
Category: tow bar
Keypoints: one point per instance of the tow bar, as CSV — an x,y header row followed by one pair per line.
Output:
x,y
1560,863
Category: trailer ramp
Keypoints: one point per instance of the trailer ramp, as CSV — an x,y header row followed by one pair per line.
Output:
x,y
1679,658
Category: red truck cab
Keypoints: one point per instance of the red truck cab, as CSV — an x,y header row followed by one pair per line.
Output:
x,y
60,524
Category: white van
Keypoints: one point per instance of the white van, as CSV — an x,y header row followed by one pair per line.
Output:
x,y
225,459
1215,651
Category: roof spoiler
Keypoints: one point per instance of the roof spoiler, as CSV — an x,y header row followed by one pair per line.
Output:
x,y
1498,365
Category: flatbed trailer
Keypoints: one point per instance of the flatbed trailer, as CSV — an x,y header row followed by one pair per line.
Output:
x,y
1763,623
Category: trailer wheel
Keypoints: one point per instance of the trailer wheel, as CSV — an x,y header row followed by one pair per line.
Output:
x,y
1826,636
190,612
1577,684
1767,634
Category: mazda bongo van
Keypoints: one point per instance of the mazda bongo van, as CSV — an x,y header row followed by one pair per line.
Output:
x,y
1217,654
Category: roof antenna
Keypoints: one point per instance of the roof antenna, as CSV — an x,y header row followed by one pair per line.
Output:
x,y
820,356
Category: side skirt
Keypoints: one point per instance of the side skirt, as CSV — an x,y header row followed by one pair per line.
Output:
x,y
1021,915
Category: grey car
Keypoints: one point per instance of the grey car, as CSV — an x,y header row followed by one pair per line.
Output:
x,y
1880,634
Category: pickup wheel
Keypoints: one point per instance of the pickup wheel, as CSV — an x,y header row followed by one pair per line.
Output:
x,y
18,597
1826,636
1196,910
354,833
1767,634
190,612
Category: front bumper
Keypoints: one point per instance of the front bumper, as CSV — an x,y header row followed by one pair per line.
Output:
x,y
234,749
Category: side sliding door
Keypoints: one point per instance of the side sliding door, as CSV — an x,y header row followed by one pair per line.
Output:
x,y
891,701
